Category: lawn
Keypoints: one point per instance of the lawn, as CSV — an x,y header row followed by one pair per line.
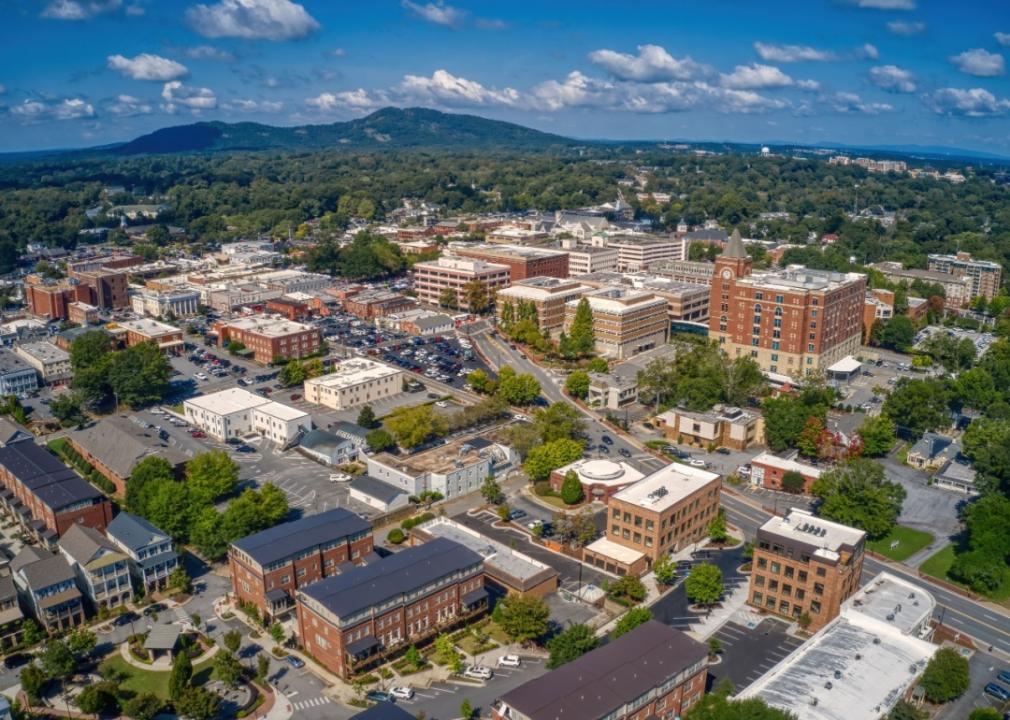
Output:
x,y
909,541
148,681
938,565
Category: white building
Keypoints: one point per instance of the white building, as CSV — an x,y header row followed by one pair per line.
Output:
x,y
861,663
155,303
357,381
586,259
637,253
235,412
51,363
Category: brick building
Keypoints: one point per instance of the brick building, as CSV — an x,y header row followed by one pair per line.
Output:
x,y
270,338
548,296
370,304
288,307
269,567
805,565
790,321
767,471
625,321
721,426
523,262
451,275
352,621
654,671
167,337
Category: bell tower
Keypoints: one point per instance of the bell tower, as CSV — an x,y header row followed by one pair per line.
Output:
x,y
732,264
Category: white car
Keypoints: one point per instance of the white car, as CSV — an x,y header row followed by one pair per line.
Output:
x,y
509,661
697,462
402,693
478,672
743,470
339,477
442,404
200,376
520,418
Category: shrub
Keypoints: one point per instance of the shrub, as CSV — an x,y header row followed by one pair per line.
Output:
x,y
396,536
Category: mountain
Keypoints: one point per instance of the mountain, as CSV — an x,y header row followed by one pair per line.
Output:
x,y
389,128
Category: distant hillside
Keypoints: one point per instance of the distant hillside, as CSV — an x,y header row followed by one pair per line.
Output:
x,y
392,128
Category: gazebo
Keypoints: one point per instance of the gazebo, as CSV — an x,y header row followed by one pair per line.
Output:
x,y
161,641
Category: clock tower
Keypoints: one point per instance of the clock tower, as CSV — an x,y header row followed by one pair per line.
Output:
x,y
733,263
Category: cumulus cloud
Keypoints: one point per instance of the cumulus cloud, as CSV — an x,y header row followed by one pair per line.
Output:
x,y
147,67
652,64
444,88
175,94
32,111
906,27
848,102
208,52
76,10
976,102
253,20
247,105
792,53
868,51
359,100
979,62
893,79
1002,38
436,12
576,90
129,106
757,76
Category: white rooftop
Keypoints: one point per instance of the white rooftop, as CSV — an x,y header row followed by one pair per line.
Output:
x,y
529,290
862,662
45,352
495,554
603,472
847,364
608,548
269,325
667,486
282,411
463,265
354,372
619,300
226,402
147,326
766,458
826,535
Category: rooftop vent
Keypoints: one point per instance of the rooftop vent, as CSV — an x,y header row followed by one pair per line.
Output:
x,y
828,685
838,674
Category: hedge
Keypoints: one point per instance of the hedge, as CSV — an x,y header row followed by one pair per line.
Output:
x,y
415,521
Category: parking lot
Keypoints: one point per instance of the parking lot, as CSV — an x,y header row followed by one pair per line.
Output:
x,y
748,653
983,669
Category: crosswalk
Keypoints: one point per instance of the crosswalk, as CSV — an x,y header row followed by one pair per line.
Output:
x,y
313,702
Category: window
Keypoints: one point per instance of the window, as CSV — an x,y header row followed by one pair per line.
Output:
x,y
815,608
818,589
788,571
759,580
784,607
803,576
773,585
810,347
776,568
779,299
758,598
762,563
775,344
800,593
821,572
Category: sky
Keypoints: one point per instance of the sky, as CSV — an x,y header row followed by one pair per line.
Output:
x,y
77,73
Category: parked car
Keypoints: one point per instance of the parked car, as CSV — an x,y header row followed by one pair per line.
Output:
x,y
625,452
200,376
402,693
478,672
442,404
296,396
198,433
607,439
509,661
17,660
379,696
339,477
517,515
696,462
245,449
1004,676
997,691
296,663
723,451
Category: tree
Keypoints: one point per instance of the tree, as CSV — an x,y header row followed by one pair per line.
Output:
x,y
145,706
898,333
479,380
904,710
877,434
581,337
81,641
515,389
523,618
946,676
558,421
987,443
628,587
786,417
209,476
983,713
448,299
630,620
57,660
576,529
277,633
198,703
718,706
571,488
717,530
207,534
577,384
856,494
68,408
597,365
466,709
809,439
379,440
226,668
975,388
151,468
704,584
411,426
366,418
98,699
446,654
413,657
793,482
182,674
475,295
31,633
33,679
571,644
293,373
232,640
262,666
138,375
166,504
665,569
918,405
543,459
491,491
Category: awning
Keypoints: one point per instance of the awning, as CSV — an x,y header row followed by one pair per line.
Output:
x,y
277,595
474,596
363,647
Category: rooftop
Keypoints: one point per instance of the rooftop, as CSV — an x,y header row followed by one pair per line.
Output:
x,y
84,543
512,252
603,472
608,548
381,491
146,326
134,531
800,278
123,442
667,486
11,363
604,680
52,482
541,288
827,536
45,351
766,458
464,265
439,459
354,371
282,411
268,325
290,538
226,402
618,300
726,413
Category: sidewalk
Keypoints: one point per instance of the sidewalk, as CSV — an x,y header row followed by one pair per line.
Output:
x,y
733,607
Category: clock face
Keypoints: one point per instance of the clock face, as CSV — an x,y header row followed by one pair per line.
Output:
x,y
727,274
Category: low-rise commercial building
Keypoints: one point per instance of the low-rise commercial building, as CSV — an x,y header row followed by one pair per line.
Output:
x,y
354,620
686,302
444,281
101,568
541,298
267,568
523,262
625,322
165,303
654,671
17,377
374,303
235,412
612,391
767,471
357,381
167,337
377,494
722,426
805,566
149,551
599,478
327,448
48,588
271,338
957,289
50,362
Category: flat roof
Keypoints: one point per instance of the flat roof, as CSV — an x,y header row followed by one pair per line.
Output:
x,y
10,362
798,277
45,351
470,265
602,471
354,371
608,548
269,325
439,459
847,364
282,411
541,288
226,402
766,458
667,486
290,538
146,326
827,536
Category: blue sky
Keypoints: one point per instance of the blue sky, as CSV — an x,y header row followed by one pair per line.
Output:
x,y
931,72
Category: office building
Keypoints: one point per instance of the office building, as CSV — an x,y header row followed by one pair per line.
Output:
x,y
722,426
654,671
625,322
660,514
540,298
50,362
957,289
48,588
600,478
612,391
696,272
235,412
790,321
587,259
268,567
522,262
805,566
167,337
149,551
101,568
985,276
445,281
686,302
270,338
352,621
17,377
356,381
636,253
767,471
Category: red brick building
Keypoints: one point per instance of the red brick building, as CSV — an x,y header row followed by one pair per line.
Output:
x,y
654,671
370,304
354,620
767,471
270,338
104,289
291,309
523,262
268,568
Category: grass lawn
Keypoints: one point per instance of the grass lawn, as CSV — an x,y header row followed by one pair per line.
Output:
x,y
938,564
909,542
149,681
556,502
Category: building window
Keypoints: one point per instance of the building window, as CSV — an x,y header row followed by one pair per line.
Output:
x,y
818,589
779,299
815,607
776,568
762,563
758,598
759,580
821,572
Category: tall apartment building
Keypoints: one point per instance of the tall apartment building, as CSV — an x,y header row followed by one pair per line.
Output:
x,y
805,565
957,289
357,381
625,321
985,276
636,253
789,321
654,671
662,513
523,262
353,620
547,295
448,275
271,338
267,568
109,289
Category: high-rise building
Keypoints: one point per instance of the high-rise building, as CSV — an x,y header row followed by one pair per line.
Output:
x,y
789,321
985,276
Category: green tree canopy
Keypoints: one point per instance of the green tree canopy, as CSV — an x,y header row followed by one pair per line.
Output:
x,y
857,494
918,405
411,426
571,644
210,475
630,620
946,676
571,488
704,584
577,384
877,433
542,459
523,618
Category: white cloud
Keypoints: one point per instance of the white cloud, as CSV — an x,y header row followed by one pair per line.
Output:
x,y
793,53
40,111
77,10
196,98
848,102
868,51
652,64
1003,38
738,101
208,52
976,102
147,67
892,79
886,4
128,106
906,27
444,88
979,62
756,76
247,105
252,19
437,12
338,52
576,90
359,100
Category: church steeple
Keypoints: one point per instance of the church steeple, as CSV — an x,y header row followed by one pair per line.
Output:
x,y
735,248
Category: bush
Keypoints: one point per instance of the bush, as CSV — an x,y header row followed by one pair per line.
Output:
x,y
946,676
415,521
396,536
543,488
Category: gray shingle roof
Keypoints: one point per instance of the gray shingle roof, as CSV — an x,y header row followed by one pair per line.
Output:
x,y
291,538
10,432
50,480
11,363
134,532
83,543
322,441
403,572
377,489
47,571
121,444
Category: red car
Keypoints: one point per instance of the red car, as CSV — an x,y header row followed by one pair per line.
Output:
x,y
197,433
296,396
